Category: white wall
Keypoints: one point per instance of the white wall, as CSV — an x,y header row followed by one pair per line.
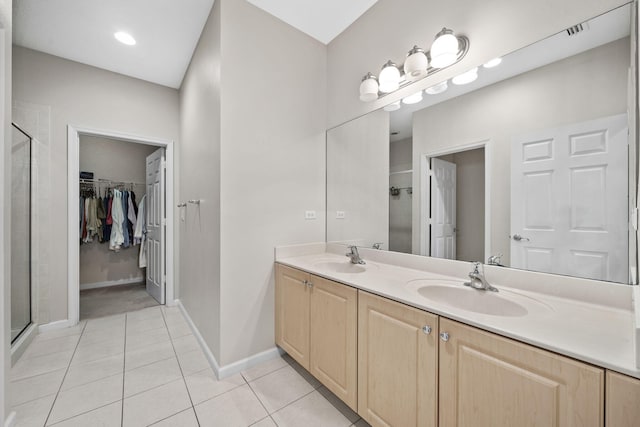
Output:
x,y
358,179
118,161
92,98
580,88
391,27
272,164
199,243
5,198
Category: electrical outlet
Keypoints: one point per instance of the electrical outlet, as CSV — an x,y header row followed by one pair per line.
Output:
x,y
309,214
340,215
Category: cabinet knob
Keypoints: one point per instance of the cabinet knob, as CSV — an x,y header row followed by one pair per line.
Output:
x,y
444,336
426,329
310,284
305,282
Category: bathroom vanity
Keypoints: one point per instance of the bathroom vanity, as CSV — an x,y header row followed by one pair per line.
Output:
x,y
387,341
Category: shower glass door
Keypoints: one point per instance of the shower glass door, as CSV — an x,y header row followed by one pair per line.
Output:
x,y
20,232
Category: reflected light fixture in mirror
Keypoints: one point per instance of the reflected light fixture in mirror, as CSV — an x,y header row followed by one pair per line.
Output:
x,y
466,78
444,49
493,63
413,99
436,89
125,38
447,49
394,106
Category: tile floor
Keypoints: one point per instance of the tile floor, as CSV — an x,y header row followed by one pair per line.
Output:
x,y
146,368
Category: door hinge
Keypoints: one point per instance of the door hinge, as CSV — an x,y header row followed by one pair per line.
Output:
x,y
164,221
634,218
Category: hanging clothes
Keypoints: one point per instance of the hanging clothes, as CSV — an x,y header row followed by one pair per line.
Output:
x,y
117,216
140,233
131,215
102,216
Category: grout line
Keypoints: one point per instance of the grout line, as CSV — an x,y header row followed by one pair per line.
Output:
x,y
124,369
65,375
264,375
83,413
181,371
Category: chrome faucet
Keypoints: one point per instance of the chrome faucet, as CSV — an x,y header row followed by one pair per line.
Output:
x,y
478,280
354,256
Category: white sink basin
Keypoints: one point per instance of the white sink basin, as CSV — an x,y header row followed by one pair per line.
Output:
x,y
456,295
341,267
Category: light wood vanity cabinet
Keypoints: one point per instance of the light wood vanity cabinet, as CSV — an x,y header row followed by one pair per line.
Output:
x,y
397,363
316,323
488,380
623,401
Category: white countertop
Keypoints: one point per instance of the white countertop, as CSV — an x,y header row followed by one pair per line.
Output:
x,y
602,335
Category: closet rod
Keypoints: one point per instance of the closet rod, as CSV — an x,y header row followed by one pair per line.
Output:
x,y
107,182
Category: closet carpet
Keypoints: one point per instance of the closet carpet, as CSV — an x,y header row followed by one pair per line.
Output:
x,y
103,302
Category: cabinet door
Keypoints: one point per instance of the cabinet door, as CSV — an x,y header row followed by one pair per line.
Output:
x,y
623,401
397,369
292,313
334,329
487,380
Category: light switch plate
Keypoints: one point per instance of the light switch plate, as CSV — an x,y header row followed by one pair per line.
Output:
x,y
340,215
309,214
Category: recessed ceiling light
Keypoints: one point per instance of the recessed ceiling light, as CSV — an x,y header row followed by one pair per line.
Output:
x,y
125,38
493,63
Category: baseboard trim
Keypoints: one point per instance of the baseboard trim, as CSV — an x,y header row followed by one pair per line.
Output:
x,y
232,368
20,346
97,285
11,420
52,326
207,351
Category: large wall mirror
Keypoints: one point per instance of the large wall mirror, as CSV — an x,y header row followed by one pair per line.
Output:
x,y
530,166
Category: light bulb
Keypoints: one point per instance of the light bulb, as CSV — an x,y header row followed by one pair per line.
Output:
x,y
415,66
389,79
444,49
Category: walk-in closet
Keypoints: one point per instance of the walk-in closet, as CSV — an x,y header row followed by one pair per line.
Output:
x,y
112,208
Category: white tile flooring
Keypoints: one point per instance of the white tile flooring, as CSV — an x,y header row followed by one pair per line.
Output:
x,y
146,368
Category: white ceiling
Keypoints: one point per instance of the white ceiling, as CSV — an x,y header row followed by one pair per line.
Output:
x,y
166,31
321,19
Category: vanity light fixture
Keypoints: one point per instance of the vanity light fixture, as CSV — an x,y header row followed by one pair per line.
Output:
x,y
493,63
125,38
369,88
466,77
413,99
436,89
416,64
389,78
394,106
444,49
447,49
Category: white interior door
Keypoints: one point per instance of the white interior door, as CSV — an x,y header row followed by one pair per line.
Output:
x,y
443,209
569,212
155,240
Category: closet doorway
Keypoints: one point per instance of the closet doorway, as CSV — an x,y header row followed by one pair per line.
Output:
x,y
120,231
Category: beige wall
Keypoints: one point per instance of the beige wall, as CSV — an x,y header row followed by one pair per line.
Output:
x,y
199,243
5,191
391,27
272,164
470,205
88,97
117,161
546,97
358,179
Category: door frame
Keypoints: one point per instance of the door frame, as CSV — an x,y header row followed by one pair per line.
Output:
x,y
73,193
425,192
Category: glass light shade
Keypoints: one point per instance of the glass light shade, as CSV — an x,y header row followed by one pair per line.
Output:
x,y
415,66
392,107
444,49
436,89
369,88
389,79
412,99
493,63
466,78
